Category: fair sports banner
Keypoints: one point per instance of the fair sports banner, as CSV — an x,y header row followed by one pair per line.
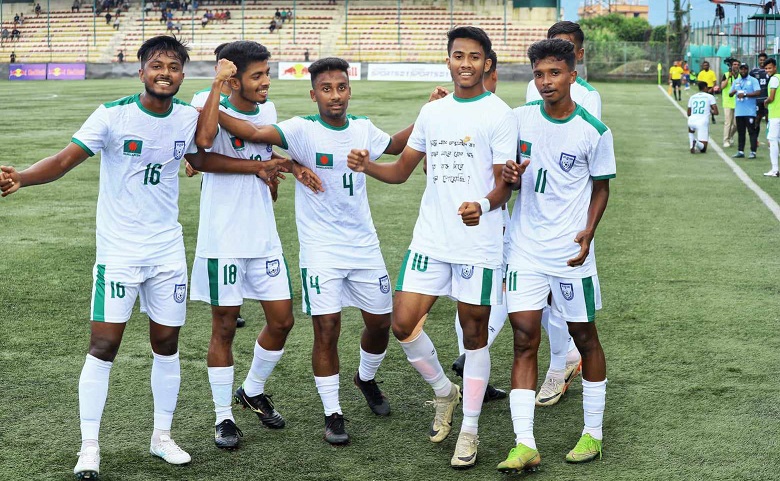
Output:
x,y
300,71
411,72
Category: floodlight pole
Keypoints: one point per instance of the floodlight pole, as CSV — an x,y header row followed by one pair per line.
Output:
x,y
295,17
452,20
346,22
48,26
94,23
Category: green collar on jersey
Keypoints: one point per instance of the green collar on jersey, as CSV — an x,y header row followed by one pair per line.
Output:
x,y
317,118
137,98
573,114
226,103
472,99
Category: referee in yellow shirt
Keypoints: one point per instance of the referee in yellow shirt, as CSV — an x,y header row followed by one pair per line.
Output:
x,y
675,74
707,75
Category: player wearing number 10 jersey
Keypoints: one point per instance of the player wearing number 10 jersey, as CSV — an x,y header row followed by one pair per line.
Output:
x,y
341,263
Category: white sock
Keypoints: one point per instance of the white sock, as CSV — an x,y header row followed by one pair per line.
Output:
x,y
691,139
774,149
93,390
422,355
221,380
263,363
558,333
699,145
498,315
166,378
459,333
521,405
369,364
594,398
328,387
476,373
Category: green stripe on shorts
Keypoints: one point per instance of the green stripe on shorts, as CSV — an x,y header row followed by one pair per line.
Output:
x,y
487,286
590,302
213,268
305,291
99,306
399,286
289,281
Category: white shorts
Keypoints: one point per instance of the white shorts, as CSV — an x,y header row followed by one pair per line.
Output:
x,y
326,290
468,284
701,128
773,132
228,281
573,299
162,289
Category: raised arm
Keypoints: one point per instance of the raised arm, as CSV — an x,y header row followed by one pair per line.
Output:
x,y
42,172
598,204
390,172
265,134
208,121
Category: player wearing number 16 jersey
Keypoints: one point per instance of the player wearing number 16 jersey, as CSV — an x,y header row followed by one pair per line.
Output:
x,y
341,264
701,106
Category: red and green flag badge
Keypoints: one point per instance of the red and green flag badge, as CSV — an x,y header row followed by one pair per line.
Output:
x,y
324,161
238,144
525,149
133,147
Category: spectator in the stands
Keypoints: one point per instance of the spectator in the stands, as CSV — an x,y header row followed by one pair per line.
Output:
x,y
289,14
16,34
205,20
283,15
13,57
120,57
108,18
4,34
116,23
76,7
277,14
272,26
37,10
16,19
21,18
306,55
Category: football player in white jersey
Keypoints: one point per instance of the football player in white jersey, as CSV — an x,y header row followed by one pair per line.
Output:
x,y
701,106
565,360
563,195
239,254
456,248
140,250
341,263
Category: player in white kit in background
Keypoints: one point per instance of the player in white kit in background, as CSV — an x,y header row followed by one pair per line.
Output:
x,y
701,106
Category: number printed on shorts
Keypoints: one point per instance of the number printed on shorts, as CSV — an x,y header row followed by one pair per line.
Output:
x,y
314,283
229,272
117,290
511,281
420,263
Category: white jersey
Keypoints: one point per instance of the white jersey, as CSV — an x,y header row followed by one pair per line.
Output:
x,y
236,210
335,228
700,107
138,202
200,97
581,92
463,139
566,156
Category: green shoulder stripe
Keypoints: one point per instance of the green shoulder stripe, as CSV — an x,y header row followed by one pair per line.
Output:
x,y
123,101
534,102
204,90
592,120
357,117
311,118
585,84
181,102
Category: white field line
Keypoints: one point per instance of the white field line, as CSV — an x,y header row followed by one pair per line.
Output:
x,y
768,201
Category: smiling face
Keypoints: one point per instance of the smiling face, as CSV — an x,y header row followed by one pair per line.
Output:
x,y
254,83
553,79
770,68
467,63
332,93
162,75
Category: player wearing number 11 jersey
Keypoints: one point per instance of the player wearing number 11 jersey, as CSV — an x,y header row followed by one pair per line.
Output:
x,y
700,107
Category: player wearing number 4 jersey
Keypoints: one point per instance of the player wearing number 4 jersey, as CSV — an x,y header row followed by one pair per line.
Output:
x,y
140,251
562,197
239,254
700,107
341,264
456,247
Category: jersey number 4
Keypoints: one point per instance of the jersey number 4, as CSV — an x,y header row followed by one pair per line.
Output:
x,y
348,183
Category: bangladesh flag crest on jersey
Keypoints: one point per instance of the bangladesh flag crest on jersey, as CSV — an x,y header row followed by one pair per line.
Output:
x,y
133,147
238,144
525,149
324,161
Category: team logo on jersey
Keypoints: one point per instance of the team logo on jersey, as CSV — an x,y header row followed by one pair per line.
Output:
x,y
567,161
179,292
178,149
238,144
466,272
384,284
133,147
568,291
272,267
525,149
268,148
324,161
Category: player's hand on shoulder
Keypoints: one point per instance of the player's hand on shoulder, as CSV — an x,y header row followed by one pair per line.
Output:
x,y
307,177
438,93
225,69
189,170
357,159
10,180
583,238
470,212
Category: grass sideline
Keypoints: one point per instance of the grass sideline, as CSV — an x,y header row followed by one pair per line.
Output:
x,y
688,271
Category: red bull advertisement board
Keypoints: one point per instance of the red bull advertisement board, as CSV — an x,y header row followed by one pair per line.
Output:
x,y
66,71
27,71
300,71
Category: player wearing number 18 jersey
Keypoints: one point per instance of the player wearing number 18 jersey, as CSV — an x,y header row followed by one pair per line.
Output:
x,y
701,106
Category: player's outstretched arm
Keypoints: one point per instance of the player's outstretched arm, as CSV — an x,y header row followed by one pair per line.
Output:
x,y
390,172
511,172
42,172
399,140
208,121
471,212
222,164
243,129
302,174
598,204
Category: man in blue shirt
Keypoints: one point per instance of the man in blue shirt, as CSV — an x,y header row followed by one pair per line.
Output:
x,y
746,89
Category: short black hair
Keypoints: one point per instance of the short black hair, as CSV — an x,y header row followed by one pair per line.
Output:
x,y
494,63
326,64
770,60
163,43
763,54
567,28
243,53
219,49
702,86
556,47
474,33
